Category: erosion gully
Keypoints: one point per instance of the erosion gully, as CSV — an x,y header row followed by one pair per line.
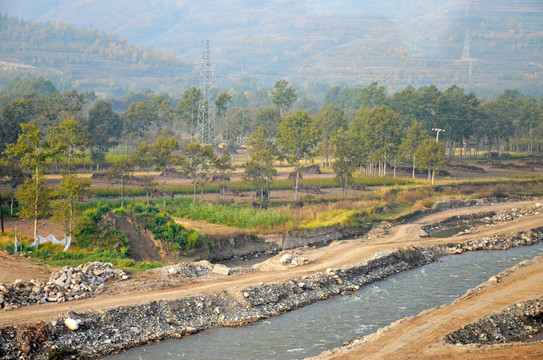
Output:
x,y
327,324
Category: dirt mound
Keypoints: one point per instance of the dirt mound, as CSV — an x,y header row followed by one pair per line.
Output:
x,y
308,189
497,164
143,246
464,167
231,191
220,177
311,169
532,160
175,174
292,176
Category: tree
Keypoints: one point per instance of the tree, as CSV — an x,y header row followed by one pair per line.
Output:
x,y
187,108
12,174
67,140
120,170
415,136
15,113
345,158
197,164
431,155
104,128
65,209
329,120
162,151
33,194
144,159
221,104
373,95
283,95
260,169
297,135
269,118
223,164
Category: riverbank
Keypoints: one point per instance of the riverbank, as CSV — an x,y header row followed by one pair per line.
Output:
x,y
486,322
111,330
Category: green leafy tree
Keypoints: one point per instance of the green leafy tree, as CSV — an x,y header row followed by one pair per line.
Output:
x,y
345,158
415,136
328,121
187,108
373,96
221,104
12,174
431,155
65,210
197,165
104,128
33,194
67,141
163,152
144,159
283,95
269,118
223,165
15,113
122,171
297,136
260,169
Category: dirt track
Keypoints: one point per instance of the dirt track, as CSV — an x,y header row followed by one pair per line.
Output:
x,y
345,253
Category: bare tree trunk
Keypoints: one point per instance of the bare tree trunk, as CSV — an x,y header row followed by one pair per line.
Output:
x,y
433,175
297,182
413,165
36,204
164,184
194,191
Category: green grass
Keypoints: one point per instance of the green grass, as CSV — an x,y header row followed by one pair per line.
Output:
x,y
231,215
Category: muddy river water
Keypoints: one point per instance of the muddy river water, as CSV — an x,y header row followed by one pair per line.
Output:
x,y
324,325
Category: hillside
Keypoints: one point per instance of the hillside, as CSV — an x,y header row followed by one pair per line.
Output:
x,y
417,42
84,58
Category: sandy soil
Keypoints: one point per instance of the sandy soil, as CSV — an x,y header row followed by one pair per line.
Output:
x,y
14,267
336,255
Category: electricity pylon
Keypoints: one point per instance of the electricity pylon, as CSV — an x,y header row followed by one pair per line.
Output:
x,y
205,127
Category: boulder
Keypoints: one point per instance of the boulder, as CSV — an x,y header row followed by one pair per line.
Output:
x,y
72,324
222,269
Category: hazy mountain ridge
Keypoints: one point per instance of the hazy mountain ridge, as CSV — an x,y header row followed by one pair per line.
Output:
x,y
396,43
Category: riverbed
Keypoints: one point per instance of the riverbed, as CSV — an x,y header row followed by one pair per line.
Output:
x,y
324,325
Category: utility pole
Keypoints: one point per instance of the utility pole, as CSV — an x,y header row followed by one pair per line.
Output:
x,y
437,133
205,127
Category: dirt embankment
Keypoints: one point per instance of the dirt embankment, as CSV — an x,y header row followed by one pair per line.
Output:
x,y
505,308
259,294
133,325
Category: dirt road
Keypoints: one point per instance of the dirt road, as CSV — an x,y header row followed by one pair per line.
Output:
x,y
336,255
421,336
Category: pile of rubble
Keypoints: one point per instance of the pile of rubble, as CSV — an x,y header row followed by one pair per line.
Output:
x,y
67,284
514,213
186,270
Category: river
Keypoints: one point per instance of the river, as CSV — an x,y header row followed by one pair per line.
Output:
x,y
324,325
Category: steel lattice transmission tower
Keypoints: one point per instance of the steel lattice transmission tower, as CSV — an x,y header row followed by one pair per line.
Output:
x,y
205,128
465,52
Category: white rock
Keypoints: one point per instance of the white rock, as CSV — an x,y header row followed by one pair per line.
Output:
x,y
286,259
172,271
72,324
221,269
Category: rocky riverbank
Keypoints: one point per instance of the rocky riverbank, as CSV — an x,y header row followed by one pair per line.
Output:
x,y
515,322
93,334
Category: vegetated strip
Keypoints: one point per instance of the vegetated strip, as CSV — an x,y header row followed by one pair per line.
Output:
x,y
111,330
